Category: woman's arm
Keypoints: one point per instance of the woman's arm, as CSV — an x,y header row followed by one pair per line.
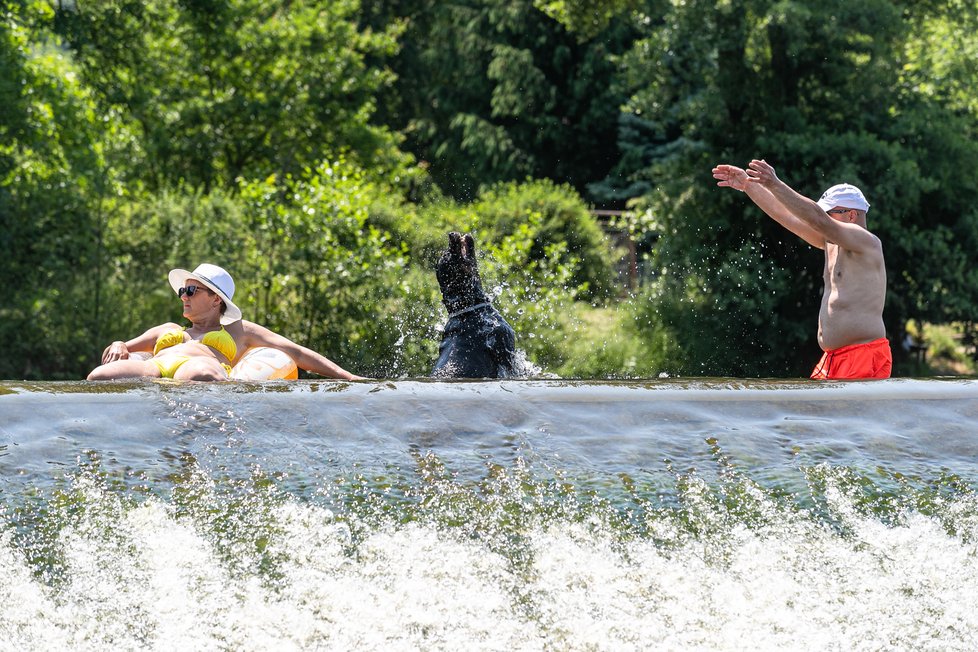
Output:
x,y
120,350
305,358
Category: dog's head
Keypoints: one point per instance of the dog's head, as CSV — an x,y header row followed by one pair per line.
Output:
x,y
458,273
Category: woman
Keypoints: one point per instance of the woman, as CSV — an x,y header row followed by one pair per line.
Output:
x,y
215,341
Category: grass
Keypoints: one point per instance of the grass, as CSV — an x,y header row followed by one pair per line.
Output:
x,y
946,352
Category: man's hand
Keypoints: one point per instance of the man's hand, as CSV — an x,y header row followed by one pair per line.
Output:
x,y
759,171
115,351
730,176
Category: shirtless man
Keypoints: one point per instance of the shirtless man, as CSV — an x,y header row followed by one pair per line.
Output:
x,y
850,321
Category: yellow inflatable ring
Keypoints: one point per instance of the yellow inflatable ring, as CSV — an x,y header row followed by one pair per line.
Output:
x,y
264,363
259,363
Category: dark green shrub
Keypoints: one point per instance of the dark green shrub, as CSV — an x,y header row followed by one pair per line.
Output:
x,y
562,224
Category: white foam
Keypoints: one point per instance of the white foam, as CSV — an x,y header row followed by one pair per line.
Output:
x,y
25,605
144,577
793,585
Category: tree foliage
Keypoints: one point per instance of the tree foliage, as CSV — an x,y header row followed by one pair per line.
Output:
x,y
823,93
222,89
55,189
496,90
278,138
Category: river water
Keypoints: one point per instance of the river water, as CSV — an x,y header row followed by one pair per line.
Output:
x,y
714,514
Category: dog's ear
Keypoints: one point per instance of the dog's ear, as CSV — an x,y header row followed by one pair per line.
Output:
x,y
455,244
469,247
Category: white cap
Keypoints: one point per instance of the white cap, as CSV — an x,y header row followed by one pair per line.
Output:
x,y
844,195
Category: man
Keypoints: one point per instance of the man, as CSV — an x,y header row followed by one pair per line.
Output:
x,y
850,321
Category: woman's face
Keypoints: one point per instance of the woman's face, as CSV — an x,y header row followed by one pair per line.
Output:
x,y
197,298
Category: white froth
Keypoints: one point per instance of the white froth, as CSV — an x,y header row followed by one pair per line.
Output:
x,y
142,577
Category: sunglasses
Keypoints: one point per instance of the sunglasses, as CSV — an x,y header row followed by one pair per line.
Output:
x,y
190,290
838,211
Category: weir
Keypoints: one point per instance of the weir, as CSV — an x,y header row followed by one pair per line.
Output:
x,y
901,423
527,514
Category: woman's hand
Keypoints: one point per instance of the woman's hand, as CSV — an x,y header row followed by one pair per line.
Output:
x,y
115,351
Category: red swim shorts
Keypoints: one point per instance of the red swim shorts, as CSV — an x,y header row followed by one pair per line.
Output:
x,y
868,360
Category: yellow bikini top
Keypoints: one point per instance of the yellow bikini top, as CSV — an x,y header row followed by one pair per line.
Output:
x,y
220,340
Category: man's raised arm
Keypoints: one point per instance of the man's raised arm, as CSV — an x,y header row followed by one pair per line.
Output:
x,y
760,174
731,176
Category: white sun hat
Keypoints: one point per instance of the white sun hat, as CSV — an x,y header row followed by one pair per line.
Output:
x,y
215,278
845,195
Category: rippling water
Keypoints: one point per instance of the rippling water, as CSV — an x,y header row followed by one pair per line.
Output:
x,y
540,515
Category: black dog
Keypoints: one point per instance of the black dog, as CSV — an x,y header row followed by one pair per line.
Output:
x,y
477,342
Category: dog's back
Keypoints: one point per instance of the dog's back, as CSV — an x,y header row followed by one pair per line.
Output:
x,y
477,342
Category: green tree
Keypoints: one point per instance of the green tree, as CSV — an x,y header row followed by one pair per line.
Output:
x,y
495,90
936,228
823,93
222,89
55,189
590,17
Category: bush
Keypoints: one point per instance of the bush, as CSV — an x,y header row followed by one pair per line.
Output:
x,y
599,343
562,225
326,277
342,264
306,262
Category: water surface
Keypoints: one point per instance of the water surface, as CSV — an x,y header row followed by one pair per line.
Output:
x,y
707,514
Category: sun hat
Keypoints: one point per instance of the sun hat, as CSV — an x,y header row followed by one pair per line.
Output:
x,y
845,195
215,278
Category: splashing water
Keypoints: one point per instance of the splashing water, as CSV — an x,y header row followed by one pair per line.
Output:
x,y
579,516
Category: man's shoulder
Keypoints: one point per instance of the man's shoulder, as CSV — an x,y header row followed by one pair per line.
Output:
x,y
860,240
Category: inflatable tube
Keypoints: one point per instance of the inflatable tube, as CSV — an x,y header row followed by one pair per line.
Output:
x,y
265,363
259,363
